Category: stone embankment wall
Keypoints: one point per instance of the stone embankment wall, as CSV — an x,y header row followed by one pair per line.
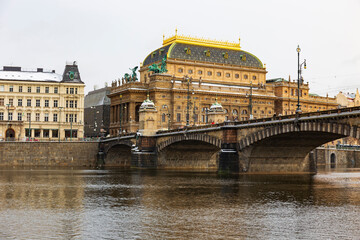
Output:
x,y
342,157
48,153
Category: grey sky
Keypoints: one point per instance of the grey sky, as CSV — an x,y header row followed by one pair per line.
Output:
x,y
108,37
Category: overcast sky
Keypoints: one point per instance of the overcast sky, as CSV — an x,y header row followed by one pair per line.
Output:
x,y
108,37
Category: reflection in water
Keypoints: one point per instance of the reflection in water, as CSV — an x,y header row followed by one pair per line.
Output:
x,y
129,204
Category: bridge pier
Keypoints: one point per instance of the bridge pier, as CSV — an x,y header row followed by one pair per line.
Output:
x,y
144,155
228,155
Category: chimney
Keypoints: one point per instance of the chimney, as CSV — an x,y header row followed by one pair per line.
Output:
x,y
53,71
11,68
40,70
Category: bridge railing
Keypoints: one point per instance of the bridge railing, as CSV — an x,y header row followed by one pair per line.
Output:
x,y
260,120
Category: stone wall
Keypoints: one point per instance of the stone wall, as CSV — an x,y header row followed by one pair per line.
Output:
x,y
48,153
345,158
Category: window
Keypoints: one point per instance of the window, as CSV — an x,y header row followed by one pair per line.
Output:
x,y
37,117
38,89
47,89
1,116
67,90
199,72
46,102
235,112
55,117
55,103
11,88
11,102
75,103
55,133
218,74
236,75
37,132
1,88
46,117
178,107
1,102
245,76
292,92
71,90
29,89
28,117
71,103
178,117
190,71
66,117
67,103
180,70
75,90
37,104
227,75
163,117
46,133
20,88
20,102
19,116
10,116
28,102
209,73
254,77
56,90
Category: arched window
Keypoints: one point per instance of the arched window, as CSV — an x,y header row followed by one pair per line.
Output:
x,y
244,111
235,112
163,116
137,108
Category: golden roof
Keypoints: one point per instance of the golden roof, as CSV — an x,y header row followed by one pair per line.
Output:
x,y
201,42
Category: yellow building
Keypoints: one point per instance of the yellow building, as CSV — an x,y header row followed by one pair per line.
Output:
x,y
287,97
188,74
41,104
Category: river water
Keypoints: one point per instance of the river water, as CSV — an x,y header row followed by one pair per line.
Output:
x,y
44,203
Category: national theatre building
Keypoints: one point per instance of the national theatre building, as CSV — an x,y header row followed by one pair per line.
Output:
x,y
186,76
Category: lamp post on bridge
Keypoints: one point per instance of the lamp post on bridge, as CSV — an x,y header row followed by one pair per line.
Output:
x,y
298,110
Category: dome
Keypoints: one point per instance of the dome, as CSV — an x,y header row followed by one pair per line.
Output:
x,y
147,104
216,107
187,48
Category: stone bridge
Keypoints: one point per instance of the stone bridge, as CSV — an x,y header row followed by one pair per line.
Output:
x,y
279,144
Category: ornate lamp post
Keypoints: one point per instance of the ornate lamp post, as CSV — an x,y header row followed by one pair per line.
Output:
x,y
298,110
60,108
188,81
120,129
168,114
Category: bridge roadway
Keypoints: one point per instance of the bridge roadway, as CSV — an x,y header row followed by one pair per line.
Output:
x,y
278,144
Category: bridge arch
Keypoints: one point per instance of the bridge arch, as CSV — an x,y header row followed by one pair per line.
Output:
x,y
197,137
118,153
285,146
191,151
338,130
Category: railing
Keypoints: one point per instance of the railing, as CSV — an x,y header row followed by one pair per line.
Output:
x,y
260,120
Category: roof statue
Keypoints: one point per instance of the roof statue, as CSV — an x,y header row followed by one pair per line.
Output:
x,y
159,68
134,75
131,77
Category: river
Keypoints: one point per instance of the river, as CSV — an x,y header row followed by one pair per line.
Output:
x,y
64,203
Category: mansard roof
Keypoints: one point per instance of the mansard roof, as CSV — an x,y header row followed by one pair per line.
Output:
x,y
187,48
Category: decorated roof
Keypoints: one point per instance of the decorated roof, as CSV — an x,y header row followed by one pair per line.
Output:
x,y
197,49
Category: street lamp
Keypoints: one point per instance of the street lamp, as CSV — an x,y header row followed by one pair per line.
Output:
x,y
188,80
298,110
120,130
60,108
250,103
168,114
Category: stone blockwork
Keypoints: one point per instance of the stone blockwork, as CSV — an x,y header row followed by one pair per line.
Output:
x,y
342,157
48,153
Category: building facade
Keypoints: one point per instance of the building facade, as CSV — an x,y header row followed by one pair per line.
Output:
x,y
97,113
41,104
186,75
348,99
